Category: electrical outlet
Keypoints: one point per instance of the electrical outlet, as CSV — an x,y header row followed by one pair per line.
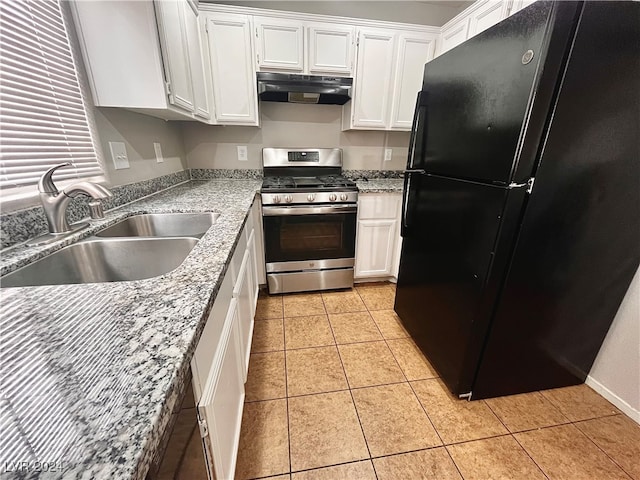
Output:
x,y
242,153
119,155
158,149
387,154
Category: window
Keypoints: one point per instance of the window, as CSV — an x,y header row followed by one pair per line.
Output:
x,y
43,121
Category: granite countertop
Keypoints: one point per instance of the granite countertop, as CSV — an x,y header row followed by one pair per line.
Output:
x,y
380,185
91,373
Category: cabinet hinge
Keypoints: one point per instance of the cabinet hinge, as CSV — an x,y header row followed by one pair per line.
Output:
x,y
202,425
167,87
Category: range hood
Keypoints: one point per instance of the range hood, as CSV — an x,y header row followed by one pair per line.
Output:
x,y
285,87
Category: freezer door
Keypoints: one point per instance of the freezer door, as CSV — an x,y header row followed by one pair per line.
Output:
x,y
450,230
480,104
579,246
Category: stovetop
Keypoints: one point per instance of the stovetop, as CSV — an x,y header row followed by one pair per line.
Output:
x,y
307,183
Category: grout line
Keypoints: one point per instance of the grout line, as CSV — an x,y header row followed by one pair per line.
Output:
x,y
353,400
286,389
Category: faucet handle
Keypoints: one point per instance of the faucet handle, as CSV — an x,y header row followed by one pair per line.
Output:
x,y
45,184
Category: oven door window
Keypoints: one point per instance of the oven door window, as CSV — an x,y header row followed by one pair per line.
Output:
x,y
309,237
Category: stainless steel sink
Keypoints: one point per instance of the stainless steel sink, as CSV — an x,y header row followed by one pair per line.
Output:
x,y
162,225
104,260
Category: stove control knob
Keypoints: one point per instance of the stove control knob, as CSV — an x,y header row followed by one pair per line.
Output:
x,y
311,197
276,199
288,198
333,197
343,197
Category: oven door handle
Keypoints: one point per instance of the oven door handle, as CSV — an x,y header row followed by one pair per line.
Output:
x,y
304,210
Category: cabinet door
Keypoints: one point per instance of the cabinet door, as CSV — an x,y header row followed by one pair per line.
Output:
x,y
487,15
280,44
234,80
413,52
375,248
196,66
243,294
453,35
220,408
331,49
520,4
373,79
175,53
253,272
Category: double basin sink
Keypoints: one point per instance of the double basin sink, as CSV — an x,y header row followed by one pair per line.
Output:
x,y
138,247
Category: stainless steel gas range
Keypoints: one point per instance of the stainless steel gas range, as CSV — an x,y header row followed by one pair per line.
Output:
x,y
309,214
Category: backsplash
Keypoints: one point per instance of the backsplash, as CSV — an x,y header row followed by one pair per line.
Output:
x,y
21,225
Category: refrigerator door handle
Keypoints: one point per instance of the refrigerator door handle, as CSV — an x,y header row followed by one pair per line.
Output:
x,y
420,104
404,224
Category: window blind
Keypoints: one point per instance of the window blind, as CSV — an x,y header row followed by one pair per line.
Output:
x,y
42,115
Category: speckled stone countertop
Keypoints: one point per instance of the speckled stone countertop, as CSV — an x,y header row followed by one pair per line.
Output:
x,y
380,185
91,373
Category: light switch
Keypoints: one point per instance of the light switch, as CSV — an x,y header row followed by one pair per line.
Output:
x,y
387,154
158,149
242,153
119,155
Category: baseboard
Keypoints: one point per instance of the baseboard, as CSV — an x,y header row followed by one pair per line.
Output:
x,y
613,398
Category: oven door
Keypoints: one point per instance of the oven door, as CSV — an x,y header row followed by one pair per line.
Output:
x,y
309,237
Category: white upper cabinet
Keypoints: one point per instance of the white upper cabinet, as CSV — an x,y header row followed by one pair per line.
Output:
x,y
331,49
196,62
454,34
175,51
280,44
520,4
373,79
413,52
231,64
389,69
295,46
487,14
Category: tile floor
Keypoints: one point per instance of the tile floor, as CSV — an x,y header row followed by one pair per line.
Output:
x,y
337,390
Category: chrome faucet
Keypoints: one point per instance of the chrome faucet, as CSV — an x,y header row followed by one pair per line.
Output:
x,y
55,202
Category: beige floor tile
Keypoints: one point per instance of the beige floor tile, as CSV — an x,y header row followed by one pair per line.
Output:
x,y
526,411
269,306
349,471
268,336
324,430
456,420
301,304
389,324
377,297
264,441
354,327
314,370
433,464
619,437
498,457
579,402
278,477
193,466
393,420
563,452
369,364
305,332
412,361
343,302
266,378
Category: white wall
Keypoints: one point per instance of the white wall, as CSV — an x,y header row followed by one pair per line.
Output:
x,y
616,371
422,13
139,132
292,125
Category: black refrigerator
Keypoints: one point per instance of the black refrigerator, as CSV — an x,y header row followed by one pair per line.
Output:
x,y
521,208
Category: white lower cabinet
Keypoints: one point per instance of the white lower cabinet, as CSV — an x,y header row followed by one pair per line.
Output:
x,y
221,360
220,407
378,235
